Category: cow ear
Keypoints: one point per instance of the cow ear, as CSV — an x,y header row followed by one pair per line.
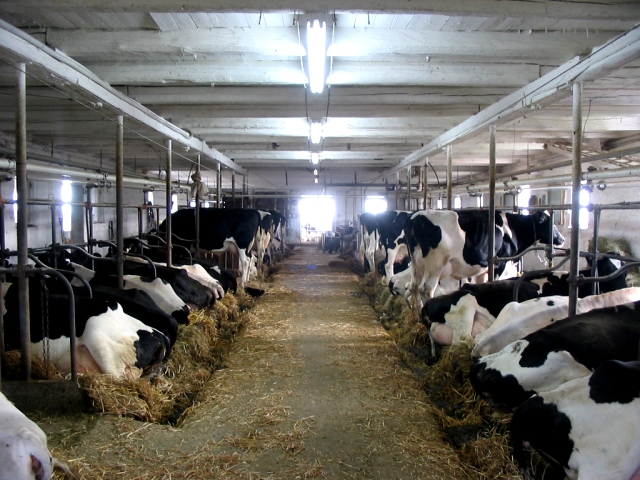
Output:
x,y
37,468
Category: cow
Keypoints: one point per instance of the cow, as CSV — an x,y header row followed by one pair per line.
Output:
x,y
558,283
517,320
563,351
108,340
369,243
160,291
459,316
391,237
445,243
221,230
24,454
278,232
588,426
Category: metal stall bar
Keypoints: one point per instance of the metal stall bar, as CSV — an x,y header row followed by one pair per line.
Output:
x,y
449,178
218,185
492,201
23,195
408,206
197,209
575,203
120,199
168,195
233,189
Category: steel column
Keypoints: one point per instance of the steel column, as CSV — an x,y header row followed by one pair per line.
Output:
x,y
426,182
449,178
197,211
219,186
120,198
492,200
168,195
576,178
408,205
397,191
233,189
23,195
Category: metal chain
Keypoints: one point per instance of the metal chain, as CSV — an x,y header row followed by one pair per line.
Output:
x,y
44,304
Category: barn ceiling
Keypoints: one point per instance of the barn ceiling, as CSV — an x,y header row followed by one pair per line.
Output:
x,y
234,75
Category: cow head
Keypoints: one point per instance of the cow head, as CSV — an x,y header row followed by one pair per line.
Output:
x,y
542,219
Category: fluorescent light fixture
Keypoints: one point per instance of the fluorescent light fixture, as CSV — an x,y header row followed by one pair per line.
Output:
x,y
316,180
315,158
316,50
315,132
315,172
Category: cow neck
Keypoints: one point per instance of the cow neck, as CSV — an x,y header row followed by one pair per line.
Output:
x,y
523,231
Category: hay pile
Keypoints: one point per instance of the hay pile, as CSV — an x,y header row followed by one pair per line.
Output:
x,y
622,247
478,432
167,396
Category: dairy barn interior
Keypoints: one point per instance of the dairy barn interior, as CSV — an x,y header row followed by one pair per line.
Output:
x,y
115,115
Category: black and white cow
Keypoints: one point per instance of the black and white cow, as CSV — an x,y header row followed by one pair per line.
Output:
x,y
517,320
24,454
445,243
221,230
278,233
391,237
263,238
563,351
460,316
555,284
369,243
588,427
108,340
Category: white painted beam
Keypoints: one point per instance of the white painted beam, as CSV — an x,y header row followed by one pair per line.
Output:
x,y
586,9
48,65
344,72
550,87
350,42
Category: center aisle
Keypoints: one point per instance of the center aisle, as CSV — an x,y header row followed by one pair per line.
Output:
x,y
314,389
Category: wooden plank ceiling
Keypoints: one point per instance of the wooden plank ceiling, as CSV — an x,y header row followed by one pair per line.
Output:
x,y
233,76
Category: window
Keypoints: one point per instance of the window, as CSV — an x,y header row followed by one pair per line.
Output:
x,y
317,213
66,195
439,204
174,202
522,200
457,202
15,198
375,204
148,197
480,200
585,198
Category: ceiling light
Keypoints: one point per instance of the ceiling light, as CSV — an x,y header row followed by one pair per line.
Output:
x,y
315,132
316,51
315,158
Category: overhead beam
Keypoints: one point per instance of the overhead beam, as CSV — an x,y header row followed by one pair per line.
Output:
x,y
543,91
584,10
47,64
350,42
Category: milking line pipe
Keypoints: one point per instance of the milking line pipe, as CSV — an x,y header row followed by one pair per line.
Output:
x,y
72,309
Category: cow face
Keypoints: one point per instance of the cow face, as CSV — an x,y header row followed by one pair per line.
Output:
x,y
542,220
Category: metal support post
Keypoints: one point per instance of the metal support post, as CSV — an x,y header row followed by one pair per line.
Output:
x,y
120,199
492,201
397,191
408,206
23,195
425,184
168,195
233,189
197,212
576,177
219,185
449,178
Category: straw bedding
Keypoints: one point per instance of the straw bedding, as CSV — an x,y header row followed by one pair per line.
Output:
x,y
479,432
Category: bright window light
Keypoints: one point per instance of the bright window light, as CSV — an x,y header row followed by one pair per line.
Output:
x,y
315,132
522,199
148,197
192,203
375,205
457,202
317,212
66,195
439,204
174,203
585,198
15,198
316,180
480,200
315,158
316,50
